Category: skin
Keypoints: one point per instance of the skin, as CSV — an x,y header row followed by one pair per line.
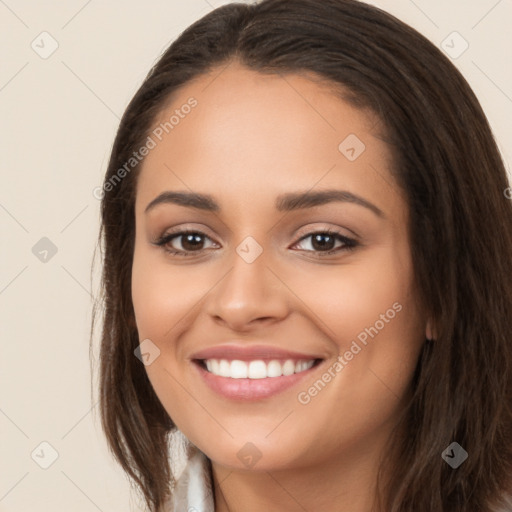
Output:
x,y
250,138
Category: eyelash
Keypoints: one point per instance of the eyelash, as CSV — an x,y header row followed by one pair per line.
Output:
x,y
349,243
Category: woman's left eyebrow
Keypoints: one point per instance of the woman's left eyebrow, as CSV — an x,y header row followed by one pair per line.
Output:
x,y
284,202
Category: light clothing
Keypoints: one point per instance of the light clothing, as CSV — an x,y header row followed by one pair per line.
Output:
x,y
192,472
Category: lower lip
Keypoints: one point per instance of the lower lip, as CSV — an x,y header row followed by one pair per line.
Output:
x,y
251,389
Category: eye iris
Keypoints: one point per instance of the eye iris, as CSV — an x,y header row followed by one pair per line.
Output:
x,y
318,244
193,239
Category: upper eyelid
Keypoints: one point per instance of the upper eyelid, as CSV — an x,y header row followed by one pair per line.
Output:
x,y
305,230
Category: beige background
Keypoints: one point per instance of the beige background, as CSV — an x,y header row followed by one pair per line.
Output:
x,y
59,117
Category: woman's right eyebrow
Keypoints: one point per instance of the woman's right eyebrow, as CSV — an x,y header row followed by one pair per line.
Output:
x,y
285,202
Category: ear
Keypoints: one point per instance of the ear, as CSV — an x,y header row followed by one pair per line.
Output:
x,y
430,331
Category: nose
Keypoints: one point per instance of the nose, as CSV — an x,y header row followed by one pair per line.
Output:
x,y
248,295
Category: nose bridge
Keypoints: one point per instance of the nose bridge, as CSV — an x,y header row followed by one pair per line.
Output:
x,y
249,290
247,280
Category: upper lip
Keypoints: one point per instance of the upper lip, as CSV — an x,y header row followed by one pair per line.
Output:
x,y
251,353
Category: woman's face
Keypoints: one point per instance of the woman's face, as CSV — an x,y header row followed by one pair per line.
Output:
x,y
257,284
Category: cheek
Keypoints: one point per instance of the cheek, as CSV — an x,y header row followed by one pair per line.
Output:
x,y
370,314
153,300
164,299
348,298
375,326
164,296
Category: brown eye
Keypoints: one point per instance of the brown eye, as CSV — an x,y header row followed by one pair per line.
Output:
x,y
323,242
190,241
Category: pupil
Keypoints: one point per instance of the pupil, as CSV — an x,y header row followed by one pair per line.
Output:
x,y
317,244
190,239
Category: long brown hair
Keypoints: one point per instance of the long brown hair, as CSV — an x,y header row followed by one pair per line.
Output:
x,y
448,165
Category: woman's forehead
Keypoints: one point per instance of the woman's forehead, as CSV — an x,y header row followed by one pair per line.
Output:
x,y
250,132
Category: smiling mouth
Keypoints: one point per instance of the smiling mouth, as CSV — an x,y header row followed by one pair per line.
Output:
x,y
256,369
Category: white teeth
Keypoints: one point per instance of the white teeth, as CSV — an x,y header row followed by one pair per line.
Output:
x,y
238,369
274,369
224,368
256,369
288,368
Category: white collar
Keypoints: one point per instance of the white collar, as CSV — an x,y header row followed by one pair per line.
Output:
x,y
192,472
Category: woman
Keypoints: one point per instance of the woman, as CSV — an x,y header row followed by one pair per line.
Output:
x,y
340,338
